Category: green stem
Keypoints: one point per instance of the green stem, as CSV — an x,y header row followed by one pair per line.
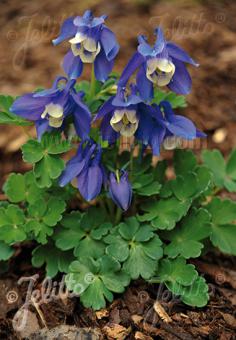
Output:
x,y
118,216
131,166
92,84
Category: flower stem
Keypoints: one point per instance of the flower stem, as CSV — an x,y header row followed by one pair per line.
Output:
x,y
118,216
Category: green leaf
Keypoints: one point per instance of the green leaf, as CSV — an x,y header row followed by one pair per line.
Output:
x,y
222,211
47,169
20,187
184,161
69,236
223,232
96,281
55,259
32,151
216,163
164,213
231,165
224,175
7,117
185,241
159,171
12,221
53,144
177,271
44,155
142,180
149,190
182,280
185,187
175,100
195,295
192,184
224,238
14,188
136,246
5,251
43,216
83,233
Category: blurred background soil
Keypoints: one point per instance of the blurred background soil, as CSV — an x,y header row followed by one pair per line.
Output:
x,y
206,29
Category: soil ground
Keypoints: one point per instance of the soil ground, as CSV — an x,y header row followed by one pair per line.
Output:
x,y
207,30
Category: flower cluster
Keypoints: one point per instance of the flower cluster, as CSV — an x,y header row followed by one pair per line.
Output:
x,y
130,112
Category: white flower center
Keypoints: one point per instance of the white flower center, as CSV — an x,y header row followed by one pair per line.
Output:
x,y
88,48
160,71
54,113
171,143
125,122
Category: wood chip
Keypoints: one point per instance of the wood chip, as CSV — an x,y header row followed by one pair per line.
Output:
x,y
141,336
230,319
136,319
229,294
25,323
103,313
115,331
161,312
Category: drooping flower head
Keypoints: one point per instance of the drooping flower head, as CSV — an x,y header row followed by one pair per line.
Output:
x,y
86,167
162,64
49,108
91,42
159,125
120,189
120,115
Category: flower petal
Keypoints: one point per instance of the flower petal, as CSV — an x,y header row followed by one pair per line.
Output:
x,y
182,127
178,53
109,43
108,133
121,193
160,41
73,168
41,127
105,109
144,85
136,60
72,65
82,117
102,66
30,107
90,182
181,82
68,30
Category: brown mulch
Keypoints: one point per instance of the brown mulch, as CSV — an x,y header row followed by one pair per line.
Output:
x,y
144,311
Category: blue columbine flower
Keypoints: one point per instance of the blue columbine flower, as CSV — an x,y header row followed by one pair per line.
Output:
x,y
163,65
159,125
120,189
86,167
49,108
91,42
120,115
